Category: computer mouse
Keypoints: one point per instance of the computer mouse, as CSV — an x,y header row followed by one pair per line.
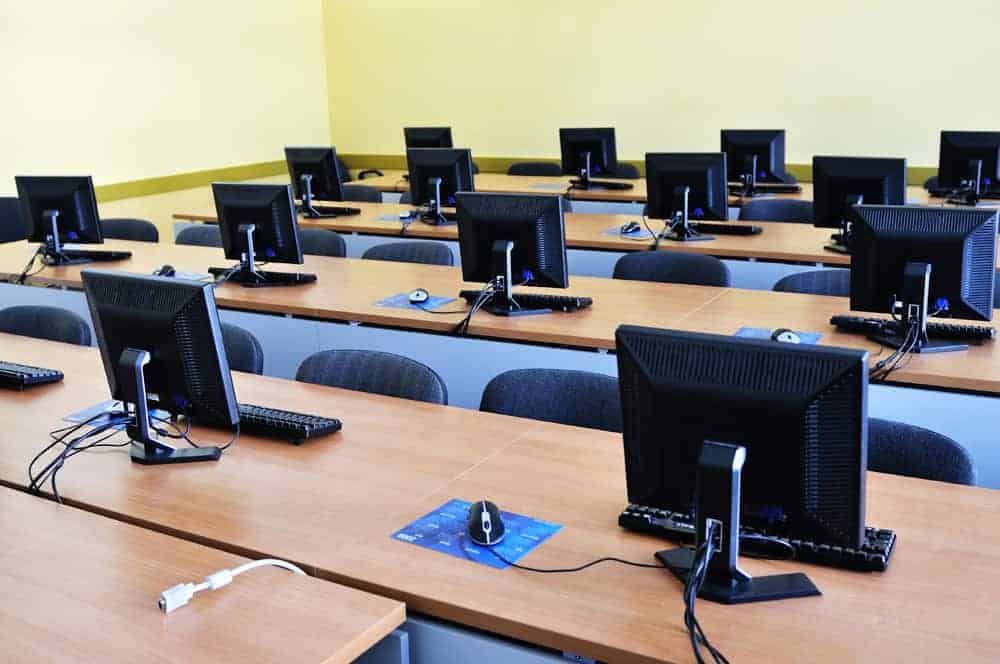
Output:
x,y
786,336
631,227
165,271
419,296
486,527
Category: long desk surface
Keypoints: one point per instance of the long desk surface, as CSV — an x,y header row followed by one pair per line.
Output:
x,y
78,587
392,181
348,289
332,505
784,242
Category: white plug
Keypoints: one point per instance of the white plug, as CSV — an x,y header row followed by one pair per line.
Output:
x,y
177,596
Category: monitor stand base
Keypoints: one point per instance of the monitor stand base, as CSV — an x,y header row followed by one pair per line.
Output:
x,y
165,455
261,279
928,346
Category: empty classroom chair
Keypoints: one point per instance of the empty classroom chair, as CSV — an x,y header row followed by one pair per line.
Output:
x,y
322,242
362,193
904,449
137,230
836,281
577,398
375,372
673,268
778,209
12,228
537,168
200,235
243,350
428,253
42,322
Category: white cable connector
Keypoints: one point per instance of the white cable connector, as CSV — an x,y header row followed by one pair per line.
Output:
x,y
177,596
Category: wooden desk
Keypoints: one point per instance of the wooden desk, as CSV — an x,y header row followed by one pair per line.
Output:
x,y
78,587
348,289
332,505
796,243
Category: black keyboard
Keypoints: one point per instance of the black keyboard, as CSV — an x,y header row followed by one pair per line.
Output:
x,y
329,211
96,255
19,376
726,229
954,331
768,188
992,194
601,184
872,556
284,425
567,303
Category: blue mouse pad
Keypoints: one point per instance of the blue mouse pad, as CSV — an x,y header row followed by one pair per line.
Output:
x,y
808,338
554,186
402,301
444,530
641,234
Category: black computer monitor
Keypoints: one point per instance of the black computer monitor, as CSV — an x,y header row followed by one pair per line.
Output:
x,y
315,173
514,239
162,348
842,182
914,262
755,155
58,210
427,137
969,164
436,175
683,186
588,152
258,224
800,413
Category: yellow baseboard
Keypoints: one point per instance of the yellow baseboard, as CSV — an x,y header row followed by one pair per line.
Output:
x,y
168,183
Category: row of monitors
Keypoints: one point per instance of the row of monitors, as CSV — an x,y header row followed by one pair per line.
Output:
x,y
958,243
964,156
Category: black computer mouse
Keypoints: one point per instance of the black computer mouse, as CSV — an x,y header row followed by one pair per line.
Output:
x,y
631,227
486,527
165,271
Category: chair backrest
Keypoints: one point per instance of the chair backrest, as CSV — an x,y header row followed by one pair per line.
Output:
x,y
322,242
428,253
538,168
931,182
405,198
578,398
778,209
12,227
625,170
817,282
375,372
362,193
243,350
673,268
137,230
200,235
904,449
345,172
40,322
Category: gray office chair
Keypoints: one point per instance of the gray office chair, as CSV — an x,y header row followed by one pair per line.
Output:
x,y
931,182
904,449
200,235
12,228
537,168
673,268
322,242
427,253
243,350
578,398
40,322
628,171
817,282
362,193
137,230
374,372
777,209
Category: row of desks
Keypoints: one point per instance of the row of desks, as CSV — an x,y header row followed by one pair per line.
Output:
x,y
784,242
348,290
331,506
392,181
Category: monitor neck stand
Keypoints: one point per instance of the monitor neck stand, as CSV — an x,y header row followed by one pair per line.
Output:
x,y
969,190
720,468
52,250
679,227
502,302
433,215
307,207
247,274
912,308
147,449
749,178
841,242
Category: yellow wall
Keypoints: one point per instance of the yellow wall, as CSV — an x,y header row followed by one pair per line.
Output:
x,y
863,77
129,89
